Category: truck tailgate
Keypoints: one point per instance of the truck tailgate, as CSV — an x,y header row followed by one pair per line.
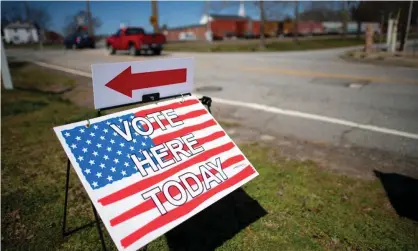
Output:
x,y
153,39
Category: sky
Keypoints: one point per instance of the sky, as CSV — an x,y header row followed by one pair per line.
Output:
x,y
132,13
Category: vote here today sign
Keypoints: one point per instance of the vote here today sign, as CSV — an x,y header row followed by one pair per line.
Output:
x,y
150,168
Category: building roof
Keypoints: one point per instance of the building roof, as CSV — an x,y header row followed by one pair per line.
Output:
x,y
218,16
185,27
19,26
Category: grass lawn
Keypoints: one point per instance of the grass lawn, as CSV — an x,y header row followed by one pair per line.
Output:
x,y
271,45
291,205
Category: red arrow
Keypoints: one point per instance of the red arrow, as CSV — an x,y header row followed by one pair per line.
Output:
x,y
126,82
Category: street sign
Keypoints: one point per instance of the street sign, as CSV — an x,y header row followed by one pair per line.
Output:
x,y
152,20
124,83
150,168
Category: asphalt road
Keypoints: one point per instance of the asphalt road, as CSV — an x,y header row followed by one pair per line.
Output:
x,y
311,95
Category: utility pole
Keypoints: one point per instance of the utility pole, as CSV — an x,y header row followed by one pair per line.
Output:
x,y
408,22
154,17
89,19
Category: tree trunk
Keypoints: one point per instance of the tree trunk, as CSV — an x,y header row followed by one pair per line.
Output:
x,y
90,22
262,20
344,20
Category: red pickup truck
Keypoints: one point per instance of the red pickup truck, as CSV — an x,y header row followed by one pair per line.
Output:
x,y
136,41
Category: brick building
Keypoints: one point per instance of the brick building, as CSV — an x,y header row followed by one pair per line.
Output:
x,y
222,26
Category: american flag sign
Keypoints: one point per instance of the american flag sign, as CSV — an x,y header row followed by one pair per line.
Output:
x,y
150,168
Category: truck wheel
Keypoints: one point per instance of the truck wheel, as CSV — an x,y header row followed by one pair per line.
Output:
x,y
132,50
110,50
157,52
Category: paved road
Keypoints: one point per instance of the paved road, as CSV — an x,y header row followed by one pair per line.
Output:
x,y
315,91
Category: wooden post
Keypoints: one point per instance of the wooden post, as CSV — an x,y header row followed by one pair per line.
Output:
x,y
5,73
369,38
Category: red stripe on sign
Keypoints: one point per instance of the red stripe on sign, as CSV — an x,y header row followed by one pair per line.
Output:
x,y
189,115
149,204
175,105
148,182
185,208
200,141
183,131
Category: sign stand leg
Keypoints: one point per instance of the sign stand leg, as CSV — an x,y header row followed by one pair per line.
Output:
x,y
207,101
66,232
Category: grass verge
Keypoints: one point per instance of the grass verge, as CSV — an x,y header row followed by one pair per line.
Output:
x,y
291,205
271,45
32,77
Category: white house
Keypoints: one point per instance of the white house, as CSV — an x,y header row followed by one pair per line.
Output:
x,y
20,33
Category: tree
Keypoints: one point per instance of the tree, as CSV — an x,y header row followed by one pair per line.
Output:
x,y
372,11
73,23
15,11
296,22
277,10
38,17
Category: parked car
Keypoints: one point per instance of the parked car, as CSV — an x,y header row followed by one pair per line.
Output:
x,y
136,41
79,40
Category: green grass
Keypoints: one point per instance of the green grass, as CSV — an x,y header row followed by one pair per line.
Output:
x,y
291,205
271,45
